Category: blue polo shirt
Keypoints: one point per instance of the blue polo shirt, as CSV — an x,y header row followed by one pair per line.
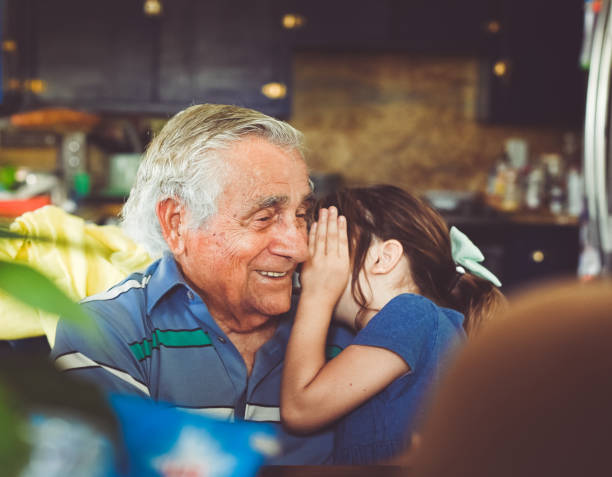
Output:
x,y
154,337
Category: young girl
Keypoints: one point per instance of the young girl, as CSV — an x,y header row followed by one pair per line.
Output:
x,y
410,296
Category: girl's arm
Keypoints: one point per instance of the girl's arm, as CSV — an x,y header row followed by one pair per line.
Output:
x,y
315,393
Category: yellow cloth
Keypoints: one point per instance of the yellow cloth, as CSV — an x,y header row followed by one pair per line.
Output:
x,y
97,257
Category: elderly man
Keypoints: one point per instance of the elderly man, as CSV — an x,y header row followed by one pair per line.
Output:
x,y
223,194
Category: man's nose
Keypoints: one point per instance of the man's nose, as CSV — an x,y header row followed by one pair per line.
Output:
x,y
291,240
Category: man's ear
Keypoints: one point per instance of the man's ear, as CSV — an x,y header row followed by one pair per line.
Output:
x,y
388,255
172,219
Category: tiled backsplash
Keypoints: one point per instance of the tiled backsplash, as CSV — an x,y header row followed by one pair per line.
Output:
x,y
399,118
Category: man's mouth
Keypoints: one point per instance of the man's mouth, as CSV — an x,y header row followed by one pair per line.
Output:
x,y
271,274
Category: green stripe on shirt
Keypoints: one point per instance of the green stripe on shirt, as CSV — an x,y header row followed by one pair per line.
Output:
x,y
170,339
331,351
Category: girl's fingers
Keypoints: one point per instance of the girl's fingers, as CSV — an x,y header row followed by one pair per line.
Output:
x,y
331,244
321,232
342,237
328,236
312,233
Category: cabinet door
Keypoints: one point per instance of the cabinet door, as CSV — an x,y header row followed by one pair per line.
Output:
x,y
341,24
418,26
439,27
537,253
531,73
523,254
95,55
223,52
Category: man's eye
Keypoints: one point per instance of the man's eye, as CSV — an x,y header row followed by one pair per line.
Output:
x,y
263,219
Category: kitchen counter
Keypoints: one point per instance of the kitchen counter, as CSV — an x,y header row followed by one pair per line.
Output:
x,y
522,248
499,218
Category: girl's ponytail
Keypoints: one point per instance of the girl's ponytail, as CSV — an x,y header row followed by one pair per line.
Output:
x,y
478,299
473,291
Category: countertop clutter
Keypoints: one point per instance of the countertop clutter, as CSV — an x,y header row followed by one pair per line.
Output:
x,y
79,161
546,188
548,184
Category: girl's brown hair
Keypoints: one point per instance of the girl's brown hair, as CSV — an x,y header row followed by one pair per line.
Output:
x,y
388,212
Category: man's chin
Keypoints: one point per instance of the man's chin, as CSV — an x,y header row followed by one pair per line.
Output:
x,y
275,310
274,306
269,297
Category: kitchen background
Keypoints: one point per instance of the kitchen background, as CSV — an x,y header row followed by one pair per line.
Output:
x,y
477,105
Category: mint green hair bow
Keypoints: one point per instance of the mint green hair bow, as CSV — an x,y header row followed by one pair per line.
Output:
x,y
467,255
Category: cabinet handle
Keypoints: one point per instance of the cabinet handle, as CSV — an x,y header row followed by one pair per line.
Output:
x,y
537,256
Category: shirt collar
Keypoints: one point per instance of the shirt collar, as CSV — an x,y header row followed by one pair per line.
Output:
x,y
273,351
164,277
278,344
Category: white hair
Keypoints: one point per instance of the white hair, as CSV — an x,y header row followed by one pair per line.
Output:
x,y
185,162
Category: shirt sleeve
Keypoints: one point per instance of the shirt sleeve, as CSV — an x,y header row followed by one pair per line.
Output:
x,y
407,325
102,354
338,338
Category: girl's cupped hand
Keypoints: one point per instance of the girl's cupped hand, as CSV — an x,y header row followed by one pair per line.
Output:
x,y
326,272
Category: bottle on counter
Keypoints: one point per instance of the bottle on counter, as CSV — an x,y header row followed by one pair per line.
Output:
x,y
534,188
517,152
574,187
498,180
554,182
504,189
512,196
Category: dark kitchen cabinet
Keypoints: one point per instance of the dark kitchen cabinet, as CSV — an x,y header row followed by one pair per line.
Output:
x,y
420,26
528,50
95,55
110,56
223,51
340,24
522,254
529,64
446,27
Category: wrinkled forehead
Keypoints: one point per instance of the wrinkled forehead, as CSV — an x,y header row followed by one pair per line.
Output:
x,y
265,175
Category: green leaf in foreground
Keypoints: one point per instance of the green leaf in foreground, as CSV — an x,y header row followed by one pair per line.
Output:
x,y
34,289
14,451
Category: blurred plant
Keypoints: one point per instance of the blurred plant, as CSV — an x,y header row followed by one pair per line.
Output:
x,y
51,424
34,289
14,450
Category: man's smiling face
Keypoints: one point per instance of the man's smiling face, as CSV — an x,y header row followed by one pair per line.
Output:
x,y
242,261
